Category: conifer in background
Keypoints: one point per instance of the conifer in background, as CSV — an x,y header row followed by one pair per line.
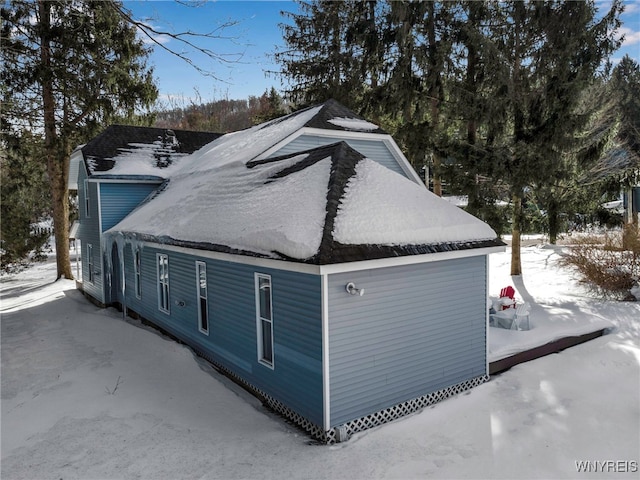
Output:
x,y
553,50
68,68
24,201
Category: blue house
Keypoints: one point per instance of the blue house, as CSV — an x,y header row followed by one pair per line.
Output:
x,y
305,259
106,196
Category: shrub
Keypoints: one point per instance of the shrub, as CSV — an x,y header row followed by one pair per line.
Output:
x,y
609,263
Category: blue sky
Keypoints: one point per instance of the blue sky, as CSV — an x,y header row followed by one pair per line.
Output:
x,y
252,41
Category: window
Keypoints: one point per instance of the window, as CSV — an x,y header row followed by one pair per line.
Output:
x,y
203,311
264,319
87,211
136,261
163,282
90,263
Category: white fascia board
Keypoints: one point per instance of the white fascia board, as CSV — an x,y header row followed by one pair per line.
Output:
x,y
402,161
324,269
233,258
407,260
125,180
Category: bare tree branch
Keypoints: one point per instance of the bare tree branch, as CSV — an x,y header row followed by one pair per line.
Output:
x,y
187,39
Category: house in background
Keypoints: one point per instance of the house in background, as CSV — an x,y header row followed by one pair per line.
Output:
x,y
620,165
305,258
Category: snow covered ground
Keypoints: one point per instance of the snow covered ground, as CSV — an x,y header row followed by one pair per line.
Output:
x,y
89,395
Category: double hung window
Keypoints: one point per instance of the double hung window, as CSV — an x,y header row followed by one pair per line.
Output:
x,y
136,260
264,319
87,202
203,310
90,273
163,282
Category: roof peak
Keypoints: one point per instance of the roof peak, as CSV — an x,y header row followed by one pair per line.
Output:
x,y
335,116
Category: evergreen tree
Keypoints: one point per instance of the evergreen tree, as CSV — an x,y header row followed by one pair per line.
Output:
x,y
538,59
385,60
554,50
269,105
492,88
69,66
625,84
332,51
418,37
619,165
476,139
24,200
317,56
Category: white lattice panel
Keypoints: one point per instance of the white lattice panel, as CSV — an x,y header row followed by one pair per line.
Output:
x,y
359,424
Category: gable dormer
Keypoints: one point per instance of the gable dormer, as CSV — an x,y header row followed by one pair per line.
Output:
x,y
334,123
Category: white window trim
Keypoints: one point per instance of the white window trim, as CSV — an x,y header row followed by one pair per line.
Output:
x,y
259,320
91,277
137,269
161,307
199,297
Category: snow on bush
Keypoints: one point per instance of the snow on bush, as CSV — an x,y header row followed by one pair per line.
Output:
x,y
608,263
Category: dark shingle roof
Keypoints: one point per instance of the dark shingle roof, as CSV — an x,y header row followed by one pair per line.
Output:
x,y
106,146
344,160
330,110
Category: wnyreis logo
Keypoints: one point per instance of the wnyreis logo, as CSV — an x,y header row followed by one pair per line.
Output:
x,y
607,466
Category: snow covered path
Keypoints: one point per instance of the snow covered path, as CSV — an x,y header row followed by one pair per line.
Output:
x,y
88,395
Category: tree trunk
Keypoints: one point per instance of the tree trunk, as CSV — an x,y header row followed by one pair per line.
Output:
x,y
58,168
434,93
57,159
518,134
516,264
437,181
630,221
554,223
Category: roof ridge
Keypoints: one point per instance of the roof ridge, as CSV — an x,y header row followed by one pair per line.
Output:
x,y
333,110
343,168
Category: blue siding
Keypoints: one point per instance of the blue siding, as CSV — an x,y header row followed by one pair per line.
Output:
x,y
296,380
117,200
89,234
417,329
373,149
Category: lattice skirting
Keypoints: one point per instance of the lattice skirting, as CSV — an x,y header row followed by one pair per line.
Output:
x,y
401,409
343,432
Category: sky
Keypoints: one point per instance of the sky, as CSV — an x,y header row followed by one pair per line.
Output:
x,y
249,45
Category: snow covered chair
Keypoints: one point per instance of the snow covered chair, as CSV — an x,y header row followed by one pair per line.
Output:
x,y
521,318
508,292
507,298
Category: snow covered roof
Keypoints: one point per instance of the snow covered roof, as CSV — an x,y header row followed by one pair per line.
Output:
x,y
322,206
143,151
335,116
126,149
